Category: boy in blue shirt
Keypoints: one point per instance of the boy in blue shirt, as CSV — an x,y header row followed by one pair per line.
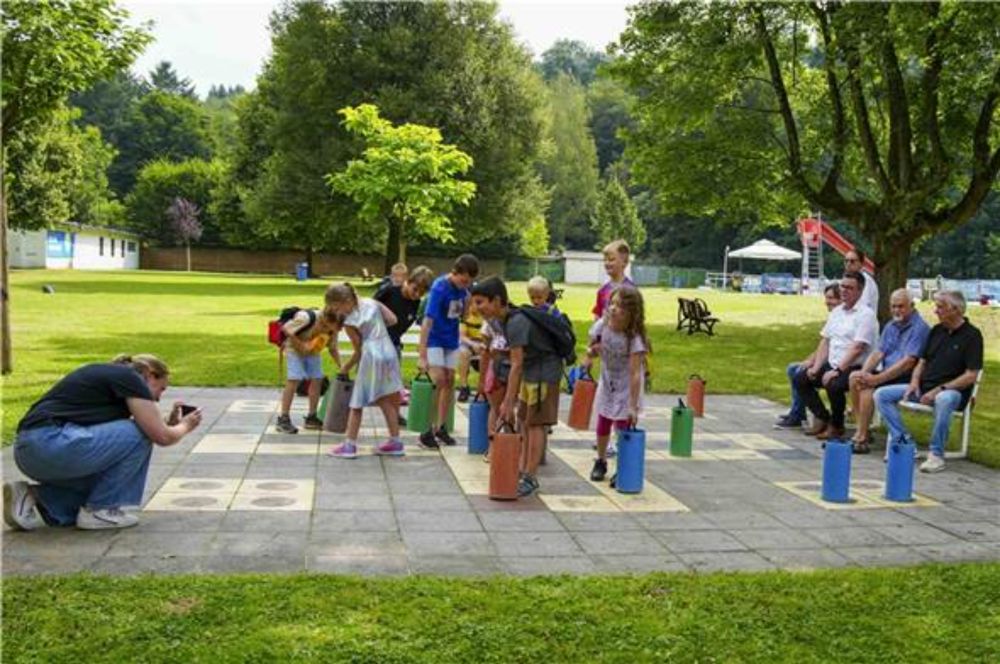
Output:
x,y
439,341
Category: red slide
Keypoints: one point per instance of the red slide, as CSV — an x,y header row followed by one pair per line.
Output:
x,y
813,231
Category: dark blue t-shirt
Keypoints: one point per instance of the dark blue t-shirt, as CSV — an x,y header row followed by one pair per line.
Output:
x,y
445,304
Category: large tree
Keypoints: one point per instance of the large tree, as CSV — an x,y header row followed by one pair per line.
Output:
x,y
49,50
451,66
880,114
569,166
571,57
406,178
159,184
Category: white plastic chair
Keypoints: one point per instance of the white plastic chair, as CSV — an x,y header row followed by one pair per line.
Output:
x,y
965,414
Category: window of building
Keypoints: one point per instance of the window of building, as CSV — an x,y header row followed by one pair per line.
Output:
x,y
112,247
100,245
131,247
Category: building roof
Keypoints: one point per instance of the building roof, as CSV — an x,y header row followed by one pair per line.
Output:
x,y
78,227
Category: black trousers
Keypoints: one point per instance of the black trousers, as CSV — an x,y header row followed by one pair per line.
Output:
x,y
836,391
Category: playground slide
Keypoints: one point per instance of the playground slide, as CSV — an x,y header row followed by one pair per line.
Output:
x,y
812,231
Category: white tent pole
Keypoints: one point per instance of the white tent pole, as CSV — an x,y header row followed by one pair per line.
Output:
x,y
725,267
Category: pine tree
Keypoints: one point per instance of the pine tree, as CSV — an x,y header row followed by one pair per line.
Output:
x,y
616,217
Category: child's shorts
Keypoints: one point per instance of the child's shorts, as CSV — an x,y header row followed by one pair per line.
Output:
x,y
442,358
538,404
604,425
303,367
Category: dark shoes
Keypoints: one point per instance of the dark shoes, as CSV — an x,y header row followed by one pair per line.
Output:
x,y
428,441
464,393
402,421
600,470
444,437
284,425
313,422
526,486
788,422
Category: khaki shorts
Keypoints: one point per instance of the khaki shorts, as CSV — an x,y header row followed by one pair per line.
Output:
x,y
538,404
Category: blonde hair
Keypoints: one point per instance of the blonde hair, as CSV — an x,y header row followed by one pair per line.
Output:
x,y
619,247
422,277
399,267
145,364
538,285
336,294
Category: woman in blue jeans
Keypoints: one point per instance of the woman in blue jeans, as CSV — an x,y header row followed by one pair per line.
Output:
x,y
87,442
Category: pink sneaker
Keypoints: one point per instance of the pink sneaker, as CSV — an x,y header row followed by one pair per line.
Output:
x,y
390,448
344,451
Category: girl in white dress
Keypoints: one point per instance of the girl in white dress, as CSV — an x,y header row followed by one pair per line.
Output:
x,y
623,348
378,379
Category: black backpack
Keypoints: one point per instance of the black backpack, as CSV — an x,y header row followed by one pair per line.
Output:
x,y
559,329
275,328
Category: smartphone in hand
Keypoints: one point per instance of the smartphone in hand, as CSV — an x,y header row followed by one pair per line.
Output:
x,y
187,410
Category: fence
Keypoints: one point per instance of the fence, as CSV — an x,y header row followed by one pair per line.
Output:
x,y
663,275
522,269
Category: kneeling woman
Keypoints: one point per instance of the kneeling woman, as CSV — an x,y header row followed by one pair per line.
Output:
x,y
88,442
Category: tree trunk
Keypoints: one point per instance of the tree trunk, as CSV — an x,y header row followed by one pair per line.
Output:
x,y
6,353
891,263
187,248
394,246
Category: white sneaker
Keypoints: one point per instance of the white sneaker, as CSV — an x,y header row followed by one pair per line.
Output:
x,y
612,451
20,510
105,519
934,464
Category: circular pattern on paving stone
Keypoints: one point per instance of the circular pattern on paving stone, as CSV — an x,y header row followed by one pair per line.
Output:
x,y
276,486
195,501
273,501
201,485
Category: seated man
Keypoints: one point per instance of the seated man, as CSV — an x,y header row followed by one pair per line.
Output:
x,y
943,378
898,351
797,415
848,336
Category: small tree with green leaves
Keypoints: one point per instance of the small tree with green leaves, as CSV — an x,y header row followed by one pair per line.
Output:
x,y
406,178
616,217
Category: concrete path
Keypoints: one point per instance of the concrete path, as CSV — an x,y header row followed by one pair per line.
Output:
x,y
239,497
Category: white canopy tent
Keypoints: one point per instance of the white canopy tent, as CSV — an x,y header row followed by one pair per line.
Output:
x,y
762,250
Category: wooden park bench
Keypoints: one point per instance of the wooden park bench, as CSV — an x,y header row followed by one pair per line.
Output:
x,y
694,315
366,275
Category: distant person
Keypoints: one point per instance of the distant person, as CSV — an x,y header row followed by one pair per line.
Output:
x,y
624,348
797,414
470,347
854,261
943,378
88,442
396,277
899,348
541,295
848,337
439,342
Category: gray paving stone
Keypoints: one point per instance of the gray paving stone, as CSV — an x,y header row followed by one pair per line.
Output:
x,y
413,502
625,564
265,522
270,563
709,561
279,471
679,541
179,522
520,521
434,521
146,564
424,488
794,559
851,536
532,566
584,522
743,520
349,486
135,543
355,544
887,517
225,459
535,544
674,521
917,533
358,521
424,544
882,555
396,565
974,531
774,538
619,542
443,565
202,470
812,517
58,541
352,501
957,552
19,565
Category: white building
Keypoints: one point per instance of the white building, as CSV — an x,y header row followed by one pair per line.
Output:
x,y
586,267
74,247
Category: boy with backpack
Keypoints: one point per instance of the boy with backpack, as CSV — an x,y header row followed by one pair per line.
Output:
x,y
539,343
439,342
305,332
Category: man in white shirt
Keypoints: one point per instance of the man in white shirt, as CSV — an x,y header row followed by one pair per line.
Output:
x,y
849,335
854,261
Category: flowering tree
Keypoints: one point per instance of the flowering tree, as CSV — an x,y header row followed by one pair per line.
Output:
x,y
183,215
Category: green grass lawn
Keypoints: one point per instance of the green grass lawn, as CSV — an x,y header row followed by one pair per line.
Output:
x,y
211,329
935,613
